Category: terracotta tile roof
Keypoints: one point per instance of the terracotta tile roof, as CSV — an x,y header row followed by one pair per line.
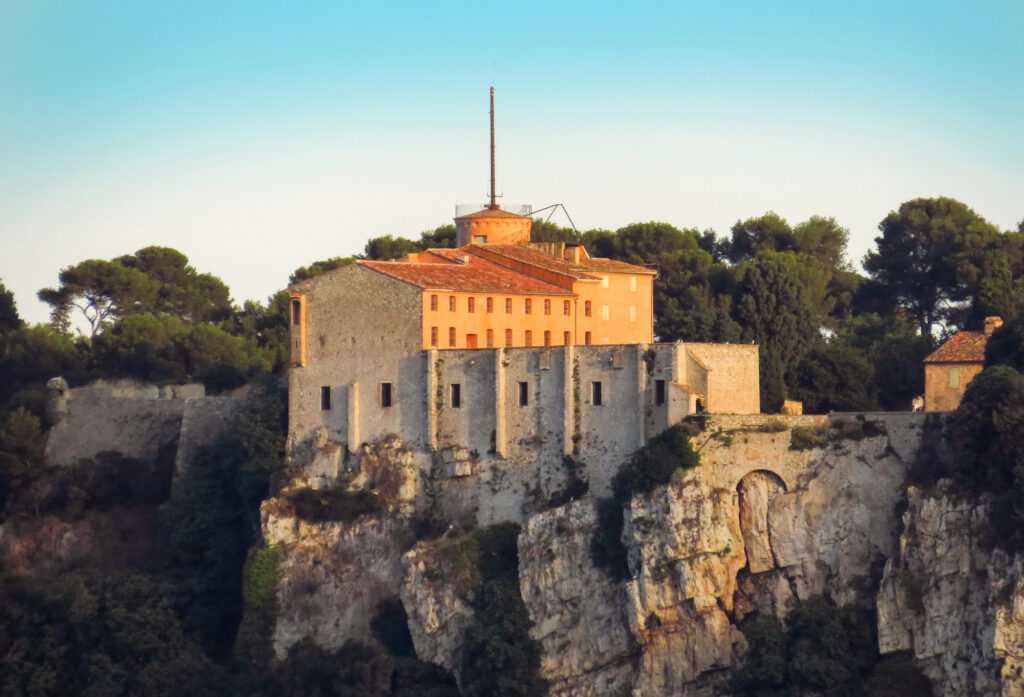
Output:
x,y
612,266
490,213
964,347
477,276
525,255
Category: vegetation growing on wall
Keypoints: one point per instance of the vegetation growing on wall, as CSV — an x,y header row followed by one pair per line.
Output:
x,y
260,578
822,650
333,505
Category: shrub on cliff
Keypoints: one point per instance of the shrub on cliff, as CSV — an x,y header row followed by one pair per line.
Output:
x,y
333,505
653,464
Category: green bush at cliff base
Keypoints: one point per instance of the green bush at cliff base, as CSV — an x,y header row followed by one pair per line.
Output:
x,y
260,579
821,650
333,505
499,657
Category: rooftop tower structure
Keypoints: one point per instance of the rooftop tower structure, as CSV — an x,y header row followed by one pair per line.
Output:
x,y
492,225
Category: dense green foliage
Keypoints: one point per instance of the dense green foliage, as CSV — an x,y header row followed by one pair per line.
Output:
x,y
499,657
822,650
331,505
260,578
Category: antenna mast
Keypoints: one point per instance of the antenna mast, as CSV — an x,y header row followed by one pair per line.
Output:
x,y
493,204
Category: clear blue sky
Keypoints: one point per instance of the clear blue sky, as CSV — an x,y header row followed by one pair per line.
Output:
x,y
256,137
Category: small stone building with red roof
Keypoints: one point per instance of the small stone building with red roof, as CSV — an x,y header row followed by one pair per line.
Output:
x,y
949,368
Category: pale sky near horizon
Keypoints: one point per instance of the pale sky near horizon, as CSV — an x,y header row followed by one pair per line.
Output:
x,y
256,137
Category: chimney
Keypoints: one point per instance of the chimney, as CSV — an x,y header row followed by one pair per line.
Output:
x,y
572,253
991,324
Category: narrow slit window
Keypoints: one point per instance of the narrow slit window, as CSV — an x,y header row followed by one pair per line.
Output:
x,y
524,394
296,312
456,395
325,398
596,397
659,392
385,395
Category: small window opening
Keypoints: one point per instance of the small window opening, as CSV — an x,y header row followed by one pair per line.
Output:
x,y
433,302
586,338
595,394
490,304
456,395
586,308
527,306
325,398
954,376
508,337
567,338
508,306
451,336
659,392
296,312
451,303
547,338
490,338
547,306
433,336
480,239
385,394
565,307
470,304
524,394
528,338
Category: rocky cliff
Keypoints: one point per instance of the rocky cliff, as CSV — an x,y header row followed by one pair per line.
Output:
x,y
777,512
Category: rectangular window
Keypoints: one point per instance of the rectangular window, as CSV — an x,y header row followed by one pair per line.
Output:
x,y
586,308
508,306
547,306
490,338
433,336
296,312
632,313
547,338
595,394
632,283
451,303
470,304
385,395
954,376
490,304
528,338
604,312
524,394
567,338
451,337
325,398
659,392
565,308
586,338
527,306
480,239
604,281
433,303
456,395
508,337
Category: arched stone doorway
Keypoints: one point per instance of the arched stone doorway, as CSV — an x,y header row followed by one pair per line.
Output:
x,y
756,491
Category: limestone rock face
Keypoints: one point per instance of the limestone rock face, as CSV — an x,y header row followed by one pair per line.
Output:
x,y
438,614
956,604
579,614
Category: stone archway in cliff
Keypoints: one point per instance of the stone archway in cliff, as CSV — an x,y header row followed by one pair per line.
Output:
x,y
756,491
